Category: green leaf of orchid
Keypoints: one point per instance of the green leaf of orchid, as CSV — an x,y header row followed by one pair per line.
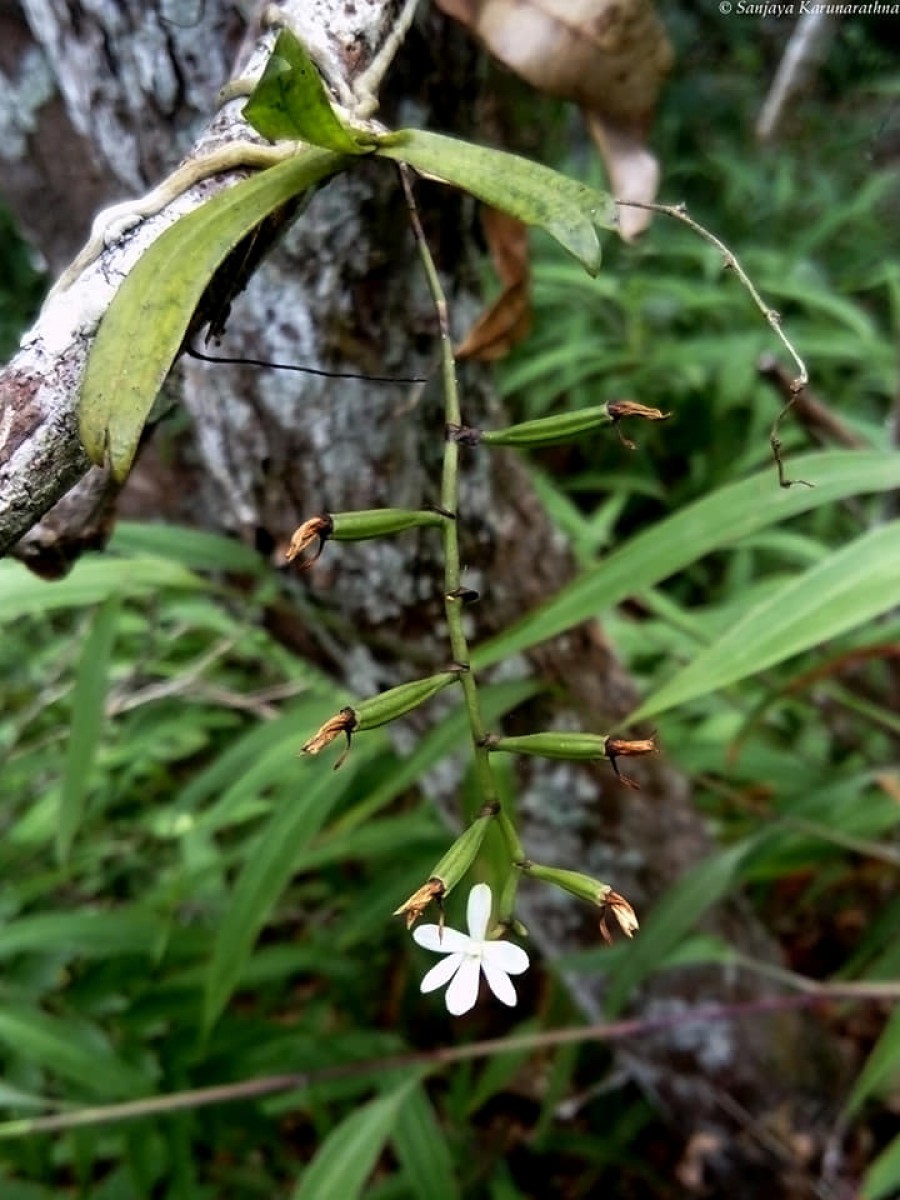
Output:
x,y
290,103
568,210
142,332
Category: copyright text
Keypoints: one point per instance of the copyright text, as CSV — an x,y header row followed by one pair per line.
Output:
x,y
802,8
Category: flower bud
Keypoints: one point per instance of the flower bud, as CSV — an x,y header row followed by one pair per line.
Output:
x,y
398,701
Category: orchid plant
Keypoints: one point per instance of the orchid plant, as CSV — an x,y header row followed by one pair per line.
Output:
x,y
573,214
312,141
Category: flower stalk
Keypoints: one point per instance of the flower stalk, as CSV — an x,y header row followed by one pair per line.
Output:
x,y
454,592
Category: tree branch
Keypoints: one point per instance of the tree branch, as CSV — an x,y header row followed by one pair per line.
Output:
x,y
41,456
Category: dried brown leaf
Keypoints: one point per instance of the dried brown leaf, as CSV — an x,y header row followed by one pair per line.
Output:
x,y
508,320
608,56
633,172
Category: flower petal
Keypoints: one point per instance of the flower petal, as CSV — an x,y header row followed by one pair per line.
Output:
x,y
506,956
498,982
478,911
441,972
463,990
452,942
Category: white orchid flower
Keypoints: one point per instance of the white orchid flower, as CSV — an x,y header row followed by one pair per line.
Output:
x,y
467,955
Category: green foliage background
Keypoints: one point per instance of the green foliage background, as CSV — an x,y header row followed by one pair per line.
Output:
x,y
185,904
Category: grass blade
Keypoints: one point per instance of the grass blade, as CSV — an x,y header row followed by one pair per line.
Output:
x,y
719,519
422,1149
265,875
674,916
881,1066
91,581
349,1153
100,934
88,700
851,586
73,1050
882,1180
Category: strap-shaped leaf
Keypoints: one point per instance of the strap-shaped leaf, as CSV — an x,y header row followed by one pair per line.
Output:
x,y
568,210
143,329
348,1155
850,587
722,518
290,103
88,705
263,878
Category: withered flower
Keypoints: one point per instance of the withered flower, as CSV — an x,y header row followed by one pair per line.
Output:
x,y
618,409
432,889
316,529
622,911
343,722
628,748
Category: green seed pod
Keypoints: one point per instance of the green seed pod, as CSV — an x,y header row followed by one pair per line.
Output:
x,y
582,886
583,746
398,701
456,862
448,872
380,522
549,431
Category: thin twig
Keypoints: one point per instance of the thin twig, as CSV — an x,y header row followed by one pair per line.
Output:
x,y
823,425
122,700
680,213
612,1031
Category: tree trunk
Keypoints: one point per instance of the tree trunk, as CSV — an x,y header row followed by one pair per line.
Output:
x,y
266,449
